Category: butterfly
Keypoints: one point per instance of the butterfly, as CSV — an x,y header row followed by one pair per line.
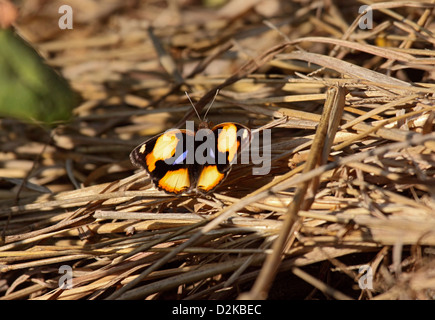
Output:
x,y
181,160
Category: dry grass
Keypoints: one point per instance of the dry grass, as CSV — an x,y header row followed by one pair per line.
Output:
x,y
352,171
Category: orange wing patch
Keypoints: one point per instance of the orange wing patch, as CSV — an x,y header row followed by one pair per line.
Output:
x,y
210,177
177,181
163,149
227,141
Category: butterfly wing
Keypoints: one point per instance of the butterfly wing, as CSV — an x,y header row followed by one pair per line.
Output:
x,y
229,139
168,160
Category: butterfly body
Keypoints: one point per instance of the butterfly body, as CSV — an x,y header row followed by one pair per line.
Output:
x,y
179,161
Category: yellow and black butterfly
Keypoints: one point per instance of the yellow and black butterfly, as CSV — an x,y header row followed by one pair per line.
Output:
x,y
179,161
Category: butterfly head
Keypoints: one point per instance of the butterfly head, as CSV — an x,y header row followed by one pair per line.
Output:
x,y
204,124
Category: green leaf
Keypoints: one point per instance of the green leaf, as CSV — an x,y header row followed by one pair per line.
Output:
x,y
29,88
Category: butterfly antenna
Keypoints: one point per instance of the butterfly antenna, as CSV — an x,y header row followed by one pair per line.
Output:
x,y
208,109
193,106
